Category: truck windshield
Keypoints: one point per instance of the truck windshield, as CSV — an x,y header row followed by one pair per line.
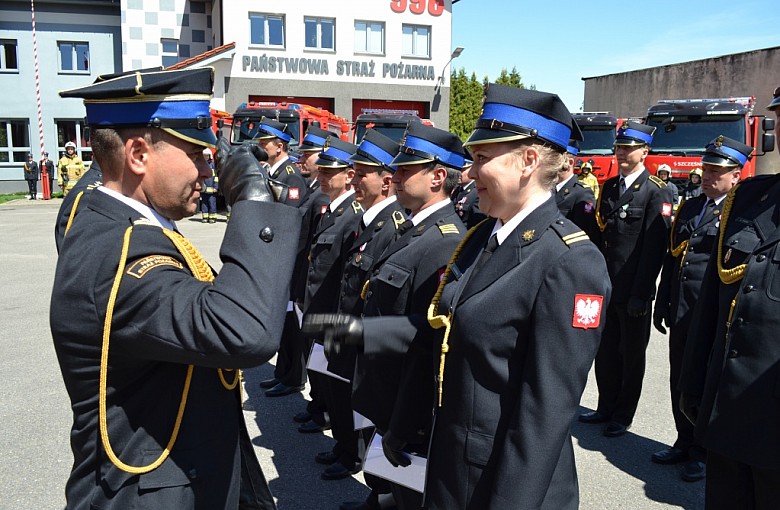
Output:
x,y
245,128
691,133
598,141
394,131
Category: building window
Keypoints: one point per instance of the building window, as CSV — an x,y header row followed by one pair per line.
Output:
x,y
14,140
370,37
266,30
319,33
8,61
74,57
415,41
73,131
170,51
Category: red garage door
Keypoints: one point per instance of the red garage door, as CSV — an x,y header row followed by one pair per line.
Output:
x,y
419,108
325,103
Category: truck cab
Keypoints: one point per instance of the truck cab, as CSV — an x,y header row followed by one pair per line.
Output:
x,y
685,126
392,125
598,146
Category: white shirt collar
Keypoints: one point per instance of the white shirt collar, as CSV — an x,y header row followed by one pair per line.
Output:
x,y
502,230
375,209
629,180
340,199
145,211
420,216
560,185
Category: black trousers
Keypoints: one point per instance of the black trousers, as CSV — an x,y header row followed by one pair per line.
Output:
x,y
620,363
732,485
686,441
338,398
32,187
291,360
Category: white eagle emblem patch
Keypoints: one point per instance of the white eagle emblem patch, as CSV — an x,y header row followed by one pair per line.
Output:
x,y
587,311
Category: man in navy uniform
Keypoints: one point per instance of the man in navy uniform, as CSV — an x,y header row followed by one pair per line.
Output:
x,y
149,341
290,371
331,238
575,200
393,392
274,137
633,214
466,199
729,379
694,233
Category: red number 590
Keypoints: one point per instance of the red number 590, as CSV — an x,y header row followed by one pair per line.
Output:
x,y
435,7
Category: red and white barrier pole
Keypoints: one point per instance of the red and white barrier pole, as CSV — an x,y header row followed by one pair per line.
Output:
x,y
44,173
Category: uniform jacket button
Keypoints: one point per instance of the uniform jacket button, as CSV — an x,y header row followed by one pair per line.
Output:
x,y
192,474
267,234
733,353
761,258
749,288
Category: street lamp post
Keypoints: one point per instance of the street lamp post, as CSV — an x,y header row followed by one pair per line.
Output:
x,y
455,54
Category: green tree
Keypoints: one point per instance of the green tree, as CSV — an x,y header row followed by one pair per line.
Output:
x,y
511,79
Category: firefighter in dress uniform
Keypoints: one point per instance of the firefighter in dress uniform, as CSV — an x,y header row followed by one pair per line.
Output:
x,y
208,197
148,339
509,378
575,200
274,138
694,233
729,381
633,215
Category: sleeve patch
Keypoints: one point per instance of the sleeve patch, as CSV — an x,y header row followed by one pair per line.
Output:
x,y
666,209
146,264
587,311
294,194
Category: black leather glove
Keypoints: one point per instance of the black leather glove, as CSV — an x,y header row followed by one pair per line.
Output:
x,y
636,307
689,405
337,329
241,176
393,449
661,316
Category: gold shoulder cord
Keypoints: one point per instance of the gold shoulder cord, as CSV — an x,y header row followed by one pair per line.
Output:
x,y
728,276
600,222
443,321
200,270
683,246
73,212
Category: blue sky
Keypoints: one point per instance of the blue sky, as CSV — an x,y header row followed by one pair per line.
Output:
x,y
553,44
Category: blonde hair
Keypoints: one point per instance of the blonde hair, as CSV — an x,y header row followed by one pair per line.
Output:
x,y
551,160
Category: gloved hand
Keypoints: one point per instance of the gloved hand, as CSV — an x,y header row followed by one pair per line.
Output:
x,y
241,176
393,449
661,316
637,307
689,405
337,329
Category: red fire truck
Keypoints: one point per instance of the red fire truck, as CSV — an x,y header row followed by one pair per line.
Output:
x,y
598,145
298,117
391,123
685,126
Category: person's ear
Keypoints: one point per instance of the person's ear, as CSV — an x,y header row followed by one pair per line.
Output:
x,y
137,151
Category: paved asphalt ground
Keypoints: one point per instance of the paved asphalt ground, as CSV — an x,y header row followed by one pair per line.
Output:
x,y
614,474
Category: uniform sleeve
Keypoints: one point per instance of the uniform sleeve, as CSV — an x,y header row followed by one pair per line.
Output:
x,y
163,313
553,377
654,243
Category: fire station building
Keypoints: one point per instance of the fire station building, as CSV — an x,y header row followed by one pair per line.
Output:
x,y
344,56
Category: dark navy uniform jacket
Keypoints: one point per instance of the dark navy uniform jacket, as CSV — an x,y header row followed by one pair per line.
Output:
x,y
289,174
165,319
525,330
691,242
78,196
634,228
392,391
331,239
361,257
577,203
732,357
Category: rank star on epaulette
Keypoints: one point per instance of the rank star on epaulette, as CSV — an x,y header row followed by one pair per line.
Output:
x,y
528,235
449,228
420,228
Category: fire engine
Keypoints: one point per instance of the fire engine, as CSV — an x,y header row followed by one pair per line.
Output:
x,y
391,123
298,117
685,126
598,145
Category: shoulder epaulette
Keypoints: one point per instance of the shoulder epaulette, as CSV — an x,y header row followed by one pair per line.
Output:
x,y
398,219
449,228
569,235
357,207
657,181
